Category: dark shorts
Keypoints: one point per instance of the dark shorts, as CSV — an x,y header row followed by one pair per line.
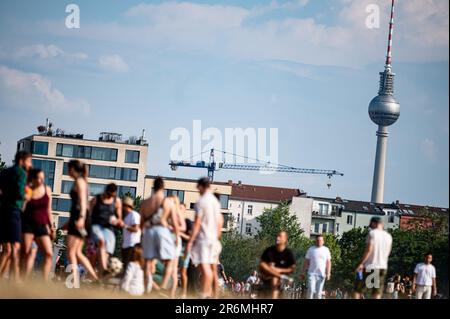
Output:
x,y
375,282
11,226
31,227
73,230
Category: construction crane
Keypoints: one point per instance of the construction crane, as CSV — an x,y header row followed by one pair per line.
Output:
x,y
261,166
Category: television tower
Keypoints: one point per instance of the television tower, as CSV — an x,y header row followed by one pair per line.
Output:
x,y
384,111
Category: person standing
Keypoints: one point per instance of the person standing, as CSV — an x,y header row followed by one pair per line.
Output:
x,y
204,244
13,188
424,281
185,260
76,231
372,269
317,266
158,242
276,263
131,230
37,224
106,212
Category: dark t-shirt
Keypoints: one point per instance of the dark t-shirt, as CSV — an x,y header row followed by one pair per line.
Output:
x,y
283,259
189,224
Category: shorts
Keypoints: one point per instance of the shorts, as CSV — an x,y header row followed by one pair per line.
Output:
x,y
184,262
158,243
73,230
31,227
100,233
376,282
206,252
11,226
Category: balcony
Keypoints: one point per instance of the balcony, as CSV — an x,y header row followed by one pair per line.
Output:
x,y
331,215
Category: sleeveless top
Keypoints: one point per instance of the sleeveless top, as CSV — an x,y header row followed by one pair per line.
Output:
x,y
36,210
102,213
75,208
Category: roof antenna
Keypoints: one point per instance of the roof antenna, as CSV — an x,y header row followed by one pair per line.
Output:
x,y
391,33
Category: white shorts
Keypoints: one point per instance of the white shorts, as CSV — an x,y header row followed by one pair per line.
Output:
x,y
206,252
158,243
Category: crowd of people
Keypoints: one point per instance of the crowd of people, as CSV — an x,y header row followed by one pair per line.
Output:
x,y
160,245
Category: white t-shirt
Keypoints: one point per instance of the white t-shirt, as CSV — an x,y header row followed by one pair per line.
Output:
x,y
133,280
381,242
425,274
208,210
318,257
130,239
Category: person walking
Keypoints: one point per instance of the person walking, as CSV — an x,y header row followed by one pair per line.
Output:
x,y
106,212
424,281
317,267
131,230
204,244
13,182
37,225
76,232
372,269
158,242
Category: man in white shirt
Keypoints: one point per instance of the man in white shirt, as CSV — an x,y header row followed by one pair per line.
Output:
x,y
131,230
318,267
372,269
204,244
424,282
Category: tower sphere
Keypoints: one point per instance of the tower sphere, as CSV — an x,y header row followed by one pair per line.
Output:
x,y
384,110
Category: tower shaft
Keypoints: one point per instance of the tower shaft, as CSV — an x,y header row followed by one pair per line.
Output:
x,y
380,164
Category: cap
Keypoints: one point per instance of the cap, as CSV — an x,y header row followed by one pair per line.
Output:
x,y
128,201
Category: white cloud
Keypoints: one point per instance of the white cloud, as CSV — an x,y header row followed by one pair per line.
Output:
x,y
31,91
429,149
251,33
43,51
113,63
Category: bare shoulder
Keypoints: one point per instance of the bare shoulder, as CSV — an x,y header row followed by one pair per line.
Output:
x,y
48,189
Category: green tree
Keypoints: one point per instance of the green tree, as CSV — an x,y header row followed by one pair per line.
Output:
x,y
240,255
280,218
2,164
352,245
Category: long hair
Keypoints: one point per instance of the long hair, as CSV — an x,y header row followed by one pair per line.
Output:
x,y
80,168
137,255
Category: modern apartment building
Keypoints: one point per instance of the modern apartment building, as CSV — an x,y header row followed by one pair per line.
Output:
x,y
109,160
186,190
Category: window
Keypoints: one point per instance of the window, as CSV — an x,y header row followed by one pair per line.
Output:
x,y
323,209
248,228
61,204
224,201
192,206
132,157
62,221
88,152
226,220
349,220
66,187
40,148
127,190
337,227
179,194
238,219
324,228
250,209
49,170
316,228
391,218
108,172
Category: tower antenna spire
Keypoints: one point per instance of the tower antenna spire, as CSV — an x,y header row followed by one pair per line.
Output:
x,y
391,33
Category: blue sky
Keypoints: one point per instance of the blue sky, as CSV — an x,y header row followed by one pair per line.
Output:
x,y
308,68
